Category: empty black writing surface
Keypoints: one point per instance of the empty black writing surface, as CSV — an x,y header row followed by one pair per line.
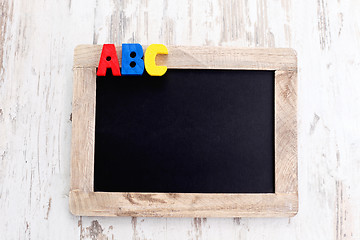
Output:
x,y
189,131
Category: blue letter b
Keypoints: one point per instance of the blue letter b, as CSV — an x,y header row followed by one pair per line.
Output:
x,y
131,63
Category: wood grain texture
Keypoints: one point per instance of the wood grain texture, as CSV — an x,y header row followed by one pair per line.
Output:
x,y
83,129
203,57
286,170
37,41
182,204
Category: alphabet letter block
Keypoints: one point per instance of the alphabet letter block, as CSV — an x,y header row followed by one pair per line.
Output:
x,y
150,55
132,62
108,59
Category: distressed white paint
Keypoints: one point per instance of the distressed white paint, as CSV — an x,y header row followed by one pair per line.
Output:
x,y
37,39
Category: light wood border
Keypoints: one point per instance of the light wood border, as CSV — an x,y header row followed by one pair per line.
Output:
x,y
282,203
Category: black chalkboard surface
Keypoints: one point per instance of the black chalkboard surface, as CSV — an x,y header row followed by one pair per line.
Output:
x,y
189,131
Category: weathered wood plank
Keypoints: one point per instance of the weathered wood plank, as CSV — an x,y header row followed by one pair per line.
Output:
x,y
37,41
182,204
83,129
203,57
286,161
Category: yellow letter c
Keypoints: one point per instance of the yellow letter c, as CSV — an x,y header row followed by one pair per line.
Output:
x,y
150,54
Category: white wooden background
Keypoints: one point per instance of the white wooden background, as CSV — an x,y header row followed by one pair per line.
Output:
x,y
37,40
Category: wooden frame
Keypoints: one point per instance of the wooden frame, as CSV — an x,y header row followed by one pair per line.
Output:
x,y
282,203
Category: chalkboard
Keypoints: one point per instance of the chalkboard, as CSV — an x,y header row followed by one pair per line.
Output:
x,y
189,131
216,136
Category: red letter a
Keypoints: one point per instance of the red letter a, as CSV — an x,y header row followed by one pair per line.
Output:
x,y
108,59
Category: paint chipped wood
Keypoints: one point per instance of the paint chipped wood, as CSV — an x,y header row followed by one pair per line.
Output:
x,y
36,102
